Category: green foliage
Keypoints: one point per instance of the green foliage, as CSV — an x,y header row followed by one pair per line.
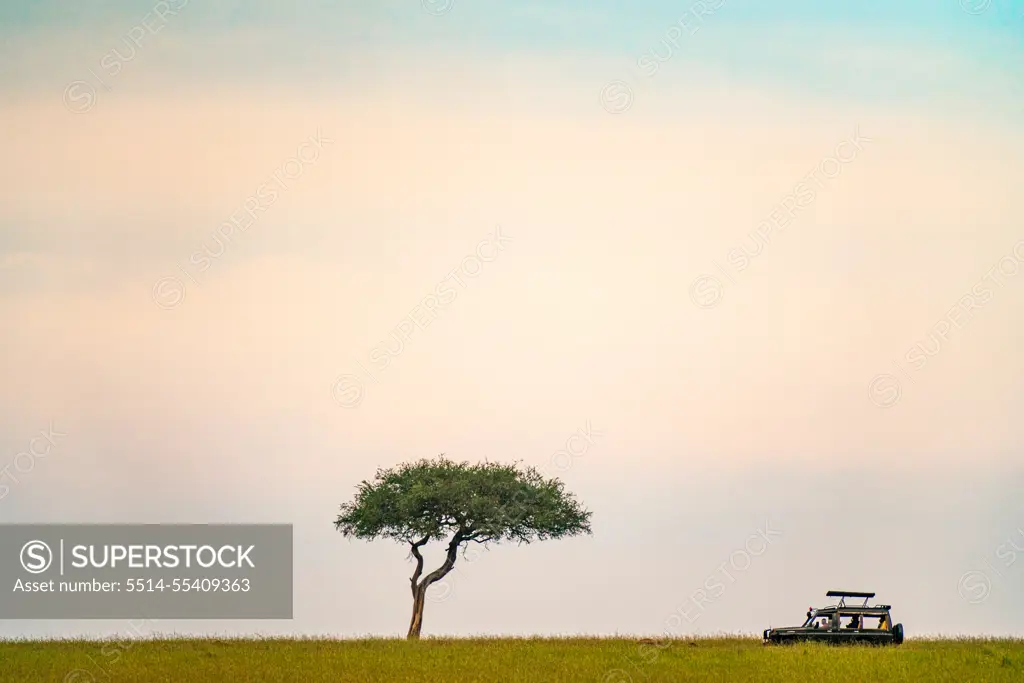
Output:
x,y
435,499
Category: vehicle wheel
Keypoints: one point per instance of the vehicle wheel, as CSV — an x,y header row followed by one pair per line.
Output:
x,y
897,634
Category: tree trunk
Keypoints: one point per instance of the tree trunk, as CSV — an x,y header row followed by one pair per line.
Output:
x,y
419,589
418,600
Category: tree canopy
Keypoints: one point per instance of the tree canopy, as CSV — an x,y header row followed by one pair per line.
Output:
x,y
432,500
435,499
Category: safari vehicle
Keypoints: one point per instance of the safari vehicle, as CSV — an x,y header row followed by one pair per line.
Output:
x,y
842,623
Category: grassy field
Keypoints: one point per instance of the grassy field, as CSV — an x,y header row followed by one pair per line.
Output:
x,y
499,660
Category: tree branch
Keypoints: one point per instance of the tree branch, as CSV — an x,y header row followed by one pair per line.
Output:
x,y
419,561
449,560
480,537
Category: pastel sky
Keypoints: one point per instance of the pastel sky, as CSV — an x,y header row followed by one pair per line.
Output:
x,y
848,383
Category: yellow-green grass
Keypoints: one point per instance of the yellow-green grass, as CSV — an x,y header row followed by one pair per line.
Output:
x,y
493,660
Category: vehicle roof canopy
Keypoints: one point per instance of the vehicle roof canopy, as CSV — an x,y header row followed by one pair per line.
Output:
x,y
842,595
850,609
848,594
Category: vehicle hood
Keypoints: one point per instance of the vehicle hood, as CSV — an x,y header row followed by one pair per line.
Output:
x,y
781,630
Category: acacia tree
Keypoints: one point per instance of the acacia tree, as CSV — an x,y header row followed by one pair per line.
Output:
x,y
438,500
